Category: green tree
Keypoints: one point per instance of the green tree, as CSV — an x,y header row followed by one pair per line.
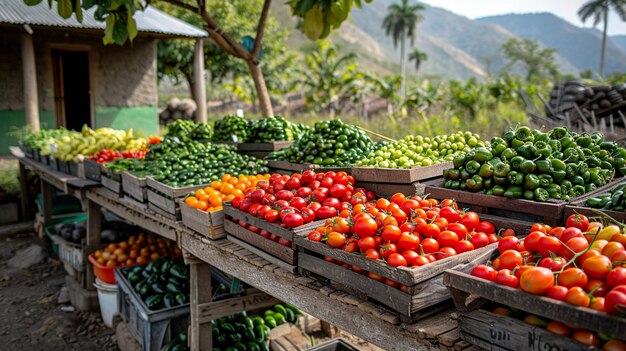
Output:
x,y
331,81
400,23
539,63
599,10
418,57
387,88
121,26
176,56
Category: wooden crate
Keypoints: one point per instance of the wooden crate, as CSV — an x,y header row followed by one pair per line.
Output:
x,y
209,224
64,166
111,184
159,211
91,170
579,206
398,176
53,163
388,189
492,331
550,212
260,150
135,187
425,288
164,199
288,167
171,192
470,293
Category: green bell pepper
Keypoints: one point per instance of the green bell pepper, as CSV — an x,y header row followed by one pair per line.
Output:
x,y
464,174
584,140
454,174
545,180
472,167
558,175
590,187
543,166
486,170
501,169
516,162
515,143
458,161
557,164
571,169
555,145
500,180
558,133
554,190
455,184
592,161
515,178
586,176
498,145
524,134
475,183
508,154
531,182
526,151
488,183
566,186
528,195
577,180
527,166
567,142
514,192
542,149
571,155
482,154
541,194
498,190
578,191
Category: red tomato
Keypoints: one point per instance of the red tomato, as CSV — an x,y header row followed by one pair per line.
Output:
x,y
388,249
315,236
573,277
577,296
618,256
292,220
538,227
597,288
410,256
409,205
479,240
558,328
420,261
391,233
486,227
616,277
431,231
448,238
392,284
445,252
557,292
577,221
326,212
615,301
271,216
429,245
505,277
336,240
575,245
485,272
297,203
367,243
470,220
549,245
257,196
614,345
398,198
376,277
531,243
308,176
609,249
396,260
320,194
510,259
372,254
338,190
587,338
365,226
552,263
537,280
597,267
569,233
450,214
284,195
463,246
508,243
459,229
267,235
284,242
408,241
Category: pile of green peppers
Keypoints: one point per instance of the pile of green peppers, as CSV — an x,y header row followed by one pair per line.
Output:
x,y
613,200
533,165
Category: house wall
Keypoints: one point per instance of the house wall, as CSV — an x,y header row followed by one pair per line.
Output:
x,y
124,80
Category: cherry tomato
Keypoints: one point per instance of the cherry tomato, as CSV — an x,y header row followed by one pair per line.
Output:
x,y
508,243
586,337
365,226
396,260
485,272
448,238
459,229
577,221
615,301
420,261
577,296
470,220
597,303
531,243
506,277
271,216
410,256
315,236
616,277
510,259
537,280
552,263
597,267
398,198
557,292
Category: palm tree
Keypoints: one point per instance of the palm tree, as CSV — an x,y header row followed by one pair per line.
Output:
x,y
400,23
419,57
599,10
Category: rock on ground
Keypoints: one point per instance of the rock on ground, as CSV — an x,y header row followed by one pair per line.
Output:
x,y
27,257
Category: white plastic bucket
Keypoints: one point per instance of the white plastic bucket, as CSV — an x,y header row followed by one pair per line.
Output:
x,y
107,297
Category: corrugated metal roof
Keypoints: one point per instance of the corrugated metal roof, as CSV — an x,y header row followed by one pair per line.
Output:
x,y
149,21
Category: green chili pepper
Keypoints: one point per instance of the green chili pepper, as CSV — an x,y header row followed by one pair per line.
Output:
x,y
543,166
515,178
558,175
527,166
498,190
545,180
590,187
541,194
486,170
516,162
528,194
501,169
598,202
482,154
475,183
531,182
499,180
513,192
586,176
554,190
508,154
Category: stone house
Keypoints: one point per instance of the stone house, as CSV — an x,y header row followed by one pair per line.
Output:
x,y
57,72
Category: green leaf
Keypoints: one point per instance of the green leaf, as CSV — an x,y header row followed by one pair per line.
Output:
x,y
120,34
79,11
65,8
87,4
131,27
32,2
108,30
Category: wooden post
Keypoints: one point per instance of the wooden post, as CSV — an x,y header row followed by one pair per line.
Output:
x,y
31,100
199,85
24,197
200,286
46,197
94,228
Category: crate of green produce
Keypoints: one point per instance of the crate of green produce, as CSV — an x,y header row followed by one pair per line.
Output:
x,y
540,171
611,202
111,180
266,135
328,144
135,187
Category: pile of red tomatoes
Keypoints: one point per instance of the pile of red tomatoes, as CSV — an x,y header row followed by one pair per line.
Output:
x,y
108,155
405,231
582,263
299,199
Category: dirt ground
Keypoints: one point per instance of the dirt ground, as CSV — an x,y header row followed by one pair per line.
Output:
x,y
31,317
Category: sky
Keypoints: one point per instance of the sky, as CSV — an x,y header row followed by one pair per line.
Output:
x,y
566,9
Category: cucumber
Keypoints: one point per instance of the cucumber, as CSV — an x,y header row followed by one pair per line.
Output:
x,y
154,301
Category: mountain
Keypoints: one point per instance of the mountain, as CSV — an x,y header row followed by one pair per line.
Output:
x,y
579,46
619,40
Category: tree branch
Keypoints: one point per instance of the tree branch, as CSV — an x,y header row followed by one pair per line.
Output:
x,y
219,40
183,5
260,29
224,40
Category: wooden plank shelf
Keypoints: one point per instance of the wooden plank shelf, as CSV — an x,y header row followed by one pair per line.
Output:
x,y
209,224
288,167
135,187
465,288
260,150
